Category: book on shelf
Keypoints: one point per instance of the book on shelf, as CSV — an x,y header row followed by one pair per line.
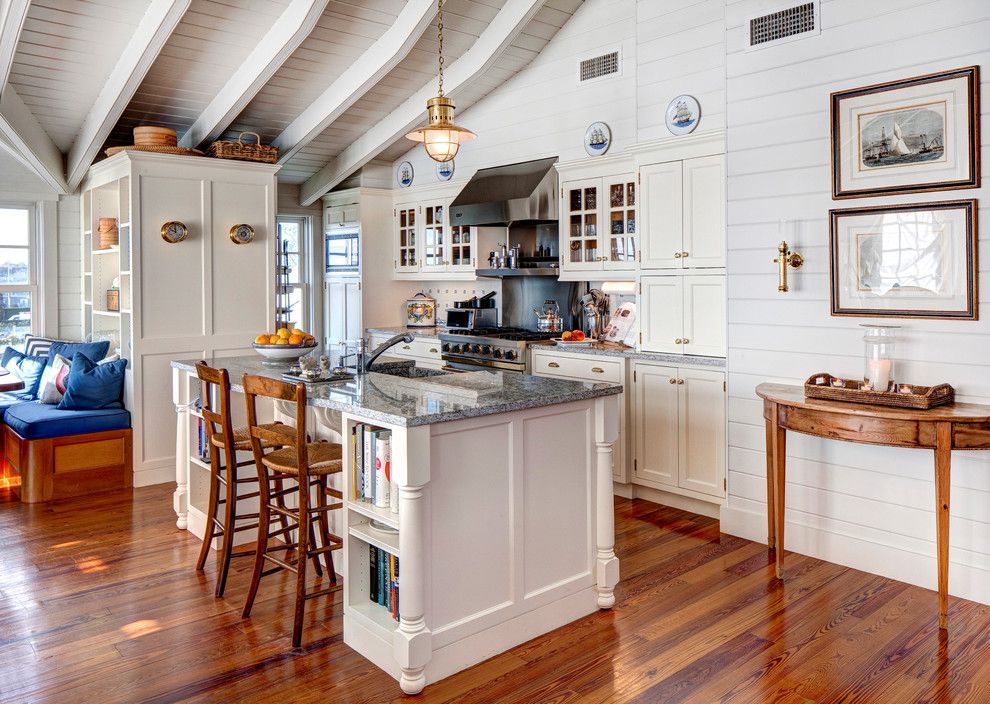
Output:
x,y
383,580
371,467
202,441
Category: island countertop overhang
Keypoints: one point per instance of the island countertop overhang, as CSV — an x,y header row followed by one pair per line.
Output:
x,y
394,401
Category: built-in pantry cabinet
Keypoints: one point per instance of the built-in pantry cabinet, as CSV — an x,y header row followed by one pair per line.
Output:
x,y
683,314
683,214
678,418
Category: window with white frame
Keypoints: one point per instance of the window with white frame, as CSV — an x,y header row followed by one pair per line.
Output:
x,y
293,249
19,304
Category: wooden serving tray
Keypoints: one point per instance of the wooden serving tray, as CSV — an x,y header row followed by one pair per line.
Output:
x,y
851,391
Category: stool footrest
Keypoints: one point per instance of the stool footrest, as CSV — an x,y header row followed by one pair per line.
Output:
x,y
329,590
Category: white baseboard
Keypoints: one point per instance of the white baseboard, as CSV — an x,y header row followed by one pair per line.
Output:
x,y
965,581
154,475
666,498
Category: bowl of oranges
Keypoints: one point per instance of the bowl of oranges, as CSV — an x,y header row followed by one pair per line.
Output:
x,y
286,345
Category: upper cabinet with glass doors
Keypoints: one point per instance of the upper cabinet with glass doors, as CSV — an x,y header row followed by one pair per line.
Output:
x,y
428,245
598,228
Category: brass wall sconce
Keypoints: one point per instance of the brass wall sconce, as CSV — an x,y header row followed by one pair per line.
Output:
x,y
785,258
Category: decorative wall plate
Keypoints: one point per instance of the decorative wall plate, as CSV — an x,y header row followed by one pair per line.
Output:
x,y
445,170
174,231
597,138
683,114
404,175
241,234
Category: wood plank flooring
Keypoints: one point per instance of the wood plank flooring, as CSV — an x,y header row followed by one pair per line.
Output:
x,y
99,603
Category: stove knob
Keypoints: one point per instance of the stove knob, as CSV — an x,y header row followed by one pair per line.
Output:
x,y
486,349
476,348
445,347
497,354
456,349
510,355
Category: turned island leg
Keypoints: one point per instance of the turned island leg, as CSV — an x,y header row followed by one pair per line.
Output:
x,y
607,564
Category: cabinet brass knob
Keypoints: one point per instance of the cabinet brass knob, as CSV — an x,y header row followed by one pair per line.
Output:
x,y
684,254
406,347
553,365
685,340
671,381
678,341
680,381
433,350
598,370
677,255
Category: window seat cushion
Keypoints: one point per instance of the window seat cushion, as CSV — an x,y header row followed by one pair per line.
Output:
x,y
33,420
12,399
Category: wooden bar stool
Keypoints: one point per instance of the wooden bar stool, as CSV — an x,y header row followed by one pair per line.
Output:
x,y
226,440
309,465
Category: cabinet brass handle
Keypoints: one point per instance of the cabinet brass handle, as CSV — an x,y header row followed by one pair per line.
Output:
x,y
553,365
677,255
685,340
684,254
598,370
433,350
406,347
680,381
671,381
678,341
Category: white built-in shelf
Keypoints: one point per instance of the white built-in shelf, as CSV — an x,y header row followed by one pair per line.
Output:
x,y
125,311
109,250
87,303
388,542
125,272
376,617
199,462
382,515
87,273
123,224
107,313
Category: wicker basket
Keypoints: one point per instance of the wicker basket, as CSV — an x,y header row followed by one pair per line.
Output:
x,y
247,152
833,388
108,233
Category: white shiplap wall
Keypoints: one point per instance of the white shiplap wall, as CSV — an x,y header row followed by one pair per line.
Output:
x,y
866,507
69,270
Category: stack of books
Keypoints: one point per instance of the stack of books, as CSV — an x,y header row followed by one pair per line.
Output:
x,y
383,579
203,442
371,467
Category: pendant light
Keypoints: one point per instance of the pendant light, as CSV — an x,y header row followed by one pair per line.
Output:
x,y
441,137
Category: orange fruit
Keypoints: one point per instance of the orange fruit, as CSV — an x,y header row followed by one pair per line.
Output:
x,y
283,332
273,340
297,331
566,335
282,341
261,339
295,339
577,336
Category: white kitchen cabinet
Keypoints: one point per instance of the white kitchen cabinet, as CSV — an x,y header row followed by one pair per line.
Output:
x,y
342,310
679,417
341,215
598,227
683,314
549,362
428,246
683,218
424,351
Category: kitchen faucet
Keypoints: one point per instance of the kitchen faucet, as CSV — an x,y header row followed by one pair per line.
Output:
x,y
390,342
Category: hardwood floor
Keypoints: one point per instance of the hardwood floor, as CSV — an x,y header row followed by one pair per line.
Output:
x,y
99,603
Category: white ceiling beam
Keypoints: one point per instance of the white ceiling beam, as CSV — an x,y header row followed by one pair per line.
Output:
x,y
380,58
27,140
284,37
12,16
146,42
504,28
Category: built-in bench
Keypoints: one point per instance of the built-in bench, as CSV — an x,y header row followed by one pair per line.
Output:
x,y
51,453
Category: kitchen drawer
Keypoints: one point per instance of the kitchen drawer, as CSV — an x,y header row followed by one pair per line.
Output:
x,y
589,368
421,348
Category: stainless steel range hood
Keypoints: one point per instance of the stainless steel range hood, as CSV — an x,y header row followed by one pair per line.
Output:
x,y
524,193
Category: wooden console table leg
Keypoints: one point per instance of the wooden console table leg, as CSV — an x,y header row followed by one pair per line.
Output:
x,y
779,473
771,517
943,459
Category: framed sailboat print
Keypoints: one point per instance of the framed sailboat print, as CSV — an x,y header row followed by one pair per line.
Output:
x,y
908,136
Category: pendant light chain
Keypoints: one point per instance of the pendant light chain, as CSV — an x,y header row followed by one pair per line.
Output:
x,y
440,47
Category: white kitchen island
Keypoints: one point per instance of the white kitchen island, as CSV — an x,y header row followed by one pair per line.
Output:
x,y
505,522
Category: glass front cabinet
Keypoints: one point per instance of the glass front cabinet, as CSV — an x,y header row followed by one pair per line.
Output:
x,y
427,244
598,227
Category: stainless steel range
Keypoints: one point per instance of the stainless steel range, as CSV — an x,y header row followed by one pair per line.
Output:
x,y
489,348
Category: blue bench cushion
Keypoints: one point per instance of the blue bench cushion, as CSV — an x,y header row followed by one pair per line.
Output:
x,y
12,399
33,420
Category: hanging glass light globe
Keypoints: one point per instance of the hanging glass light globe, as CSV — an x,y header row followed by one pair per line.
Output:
x,y
440,136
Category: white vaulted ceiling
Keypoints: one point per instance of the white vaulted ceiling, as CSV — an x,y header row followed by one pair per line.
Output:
x,y
315,77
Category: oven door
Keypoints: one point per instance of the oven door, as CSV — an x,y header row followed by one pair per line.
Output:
x,y
461,364
343,251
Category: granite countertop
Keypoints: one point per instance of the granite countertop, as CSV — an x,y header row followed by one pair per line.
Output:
x,y
610,350
406,402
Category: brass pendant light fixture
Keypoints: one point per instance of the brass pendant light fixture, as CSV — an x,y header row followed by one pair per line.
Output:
x,y
440,136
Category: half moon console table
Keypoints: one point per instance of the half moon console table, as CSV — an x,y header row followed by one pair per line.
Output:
x,y
958,426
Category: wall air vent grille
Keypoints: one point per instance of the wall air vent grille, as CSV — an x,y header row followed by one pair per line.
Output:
x,y
800,19
598,67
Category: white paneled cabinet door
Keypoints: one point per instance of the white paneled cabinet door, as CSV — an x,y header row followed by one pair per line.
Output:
x,y
704,212
354,327
661,216
433,251
655,418
704,315
406,234
701,409
619,235
661,314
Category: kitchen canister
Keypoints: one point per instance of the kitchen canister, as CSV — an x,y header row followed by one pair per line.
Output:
x,y
421,311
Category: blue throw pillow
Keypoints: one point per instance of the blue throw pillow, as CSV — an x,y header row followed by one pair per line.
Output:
x,y
94,350
92,386
28,369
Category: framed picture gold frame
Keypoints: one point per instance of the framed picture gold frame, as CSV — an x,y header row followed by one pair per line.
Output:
x,y
913,135
916,260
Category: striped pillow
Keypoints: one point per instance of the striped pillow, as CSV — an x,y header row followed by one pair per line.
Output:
x,y
38,346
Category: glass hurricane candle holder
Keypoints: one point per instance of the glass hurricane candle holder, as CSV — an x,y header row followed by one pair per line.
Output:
x,y
878,356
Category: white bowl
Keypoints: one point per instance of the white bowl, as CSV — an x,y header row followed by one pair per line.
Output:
x,y
283,353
